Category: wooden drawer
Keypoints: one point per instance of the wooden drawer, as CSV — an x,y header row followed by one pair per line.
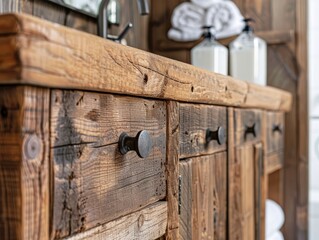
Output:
x,y
275,128
247,124
196,123
93,182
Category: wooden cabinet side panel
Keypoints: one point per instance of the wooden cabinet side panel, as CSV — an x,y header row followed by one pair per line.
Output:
x,y
24,163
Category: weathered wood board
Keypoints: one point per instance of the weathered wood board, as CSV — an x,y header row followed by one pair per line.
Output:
x,y
195,120
203,212
93,182
73,61
149,223
24,163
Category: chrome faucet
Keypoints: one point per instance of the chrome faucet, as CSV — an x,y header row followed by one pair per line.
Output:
x,y
143,9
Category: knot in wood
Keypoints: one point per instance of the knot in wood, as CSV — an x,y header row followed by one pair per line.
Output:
x,y
32,147
141,220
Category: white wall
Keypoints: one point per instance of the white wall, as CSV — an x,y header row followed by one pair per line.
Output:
x,y
313,40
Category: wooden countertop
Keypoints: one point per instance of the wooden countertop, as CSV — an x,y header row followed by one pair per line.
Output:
x,y
36,52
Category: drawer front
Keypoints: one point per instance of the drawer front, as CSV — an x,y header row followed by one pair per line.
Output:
x,y
93,182
275,129
203,130
247,124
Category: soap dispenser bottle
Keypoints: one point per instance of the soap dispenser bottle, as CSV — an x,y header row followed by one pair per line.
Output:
x,y
209,54
248,56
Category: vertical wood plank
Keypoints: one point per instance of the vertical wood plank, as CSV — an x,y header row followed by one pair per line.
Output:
x,y
261,188
302,167
172,169
24,163
220,195
203,198
185,218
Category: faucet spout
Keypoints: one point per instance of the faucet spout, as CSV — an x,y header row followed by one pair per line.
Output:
x,y
102,19
143,8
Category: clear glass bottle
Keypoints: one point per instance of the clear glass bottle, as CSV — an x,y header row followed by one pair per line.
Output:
x,y
248,56
210,55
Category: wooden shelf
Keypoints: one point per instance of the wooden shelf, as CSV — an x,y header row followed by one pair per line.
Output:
x,y
271,37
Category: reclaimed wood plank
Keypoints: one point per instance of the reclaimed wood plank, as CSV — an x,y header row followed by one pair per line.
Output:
x,y
148,223
24,163
195,120
172,169
186,196
72,61
93,182
204,197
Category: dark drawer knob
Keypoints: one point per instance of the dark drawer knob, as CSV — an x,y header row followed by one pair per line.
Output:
x,y
250,130
141,144
219,135
277,128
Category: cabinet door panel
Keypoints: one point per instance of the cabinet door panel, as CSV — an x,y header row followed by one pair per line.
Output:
x,y
246,182
203,197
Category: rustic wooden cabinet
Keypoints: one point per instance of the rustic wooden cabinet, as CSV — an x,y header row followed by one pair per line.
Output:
x,y
67,97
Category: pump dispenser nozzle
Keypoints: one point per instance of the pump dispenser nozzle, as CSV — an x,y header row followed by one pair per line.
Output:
x,y
248,27
207,32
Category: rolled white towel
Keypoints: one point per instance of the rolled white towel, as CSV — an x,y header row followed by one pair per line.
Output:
x,y
276,236
188,16
205,3
187,21
275,217
226,19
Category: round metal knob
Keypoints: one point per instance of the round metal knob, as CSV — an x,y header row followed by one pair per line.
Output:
x,y
141,144
250,130
277,128
219,135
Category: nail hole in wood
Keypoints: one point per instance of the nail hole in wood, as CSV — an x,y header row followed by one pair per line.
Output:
x,y
145,78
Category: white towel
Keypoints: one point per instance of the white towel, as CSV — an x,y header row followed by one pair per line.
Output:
x,y
226,19
188,19
205,3
276,236
275,217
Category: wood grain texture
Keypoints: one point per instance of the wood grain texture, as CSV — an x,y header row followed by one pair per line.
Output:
x,y
244,123
172,169
243,188
203,197
195,120
72,61
93,182
303,128
276,187
261,192
137,36
148,223
186,196
275,131
24,163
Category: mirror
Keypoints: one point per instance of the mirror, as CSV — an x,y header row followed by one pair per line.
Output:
x,y
88,7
